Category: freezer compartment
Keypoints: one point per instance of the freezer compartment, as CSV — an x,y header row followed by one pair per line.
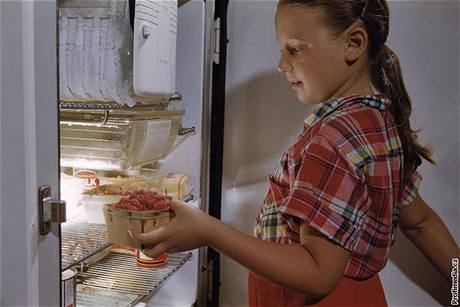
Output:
x,y
104,138
103,58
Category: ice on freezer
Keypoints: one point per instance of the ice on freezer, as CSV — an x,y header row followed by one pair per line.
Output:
x,y
103,58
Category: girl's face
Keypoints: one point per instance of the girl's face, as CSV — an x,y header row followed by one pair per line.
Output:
x,y
312,60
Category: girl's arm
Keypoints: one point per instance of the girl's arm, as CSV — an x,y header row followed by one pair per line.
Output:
x,y
313,267
427,231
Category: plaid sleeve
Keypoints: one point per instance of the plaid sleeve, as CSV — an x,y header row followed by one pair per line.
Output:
x,y
328,194
411,189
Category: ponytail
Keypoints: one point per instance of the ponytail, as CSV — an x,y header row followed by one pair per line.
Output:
x,y
387,78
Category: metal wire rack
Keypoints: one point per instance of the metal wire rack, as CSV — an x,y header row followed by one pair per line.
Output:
x,y
120,272
90,106
81,240
90,296
117,275
113,277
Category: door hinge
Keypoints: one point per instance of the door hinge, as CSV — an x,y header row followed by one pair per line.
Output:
x,y
50,210
216,51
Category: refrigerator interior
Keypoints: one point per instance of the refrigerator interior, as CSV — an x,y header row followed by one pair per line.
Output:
x,y
106,272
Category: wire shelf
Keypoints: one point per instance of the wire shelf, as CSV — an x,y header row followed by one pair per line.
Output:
x,y
116,277
90,296
81,240
118,273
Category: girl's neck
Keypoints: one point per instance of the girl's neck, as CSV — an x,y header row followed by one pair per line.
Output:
x,y
358,84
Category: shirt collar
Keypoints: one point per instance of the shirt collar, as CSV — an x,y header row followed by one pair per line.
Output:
x,y
329,106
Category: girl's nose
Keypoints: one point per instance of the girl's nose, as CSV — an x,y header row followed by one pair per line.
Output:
x,y
283,66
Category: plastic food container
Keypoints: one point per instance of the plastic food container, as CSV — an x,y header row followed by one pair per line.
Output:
x,y
94,206
94,200
119,221
102,138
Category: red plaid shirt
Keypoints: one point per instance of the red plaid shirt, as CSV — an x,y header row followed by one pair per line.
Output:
x,y
342,177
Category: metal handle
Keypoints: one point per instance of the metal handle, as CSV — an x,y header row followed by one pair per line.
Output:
x,y
184,131
182,135
56,210
50,210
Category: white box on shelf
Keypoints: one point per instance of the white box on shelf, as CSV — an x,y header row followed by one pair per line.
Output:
x,y
155,36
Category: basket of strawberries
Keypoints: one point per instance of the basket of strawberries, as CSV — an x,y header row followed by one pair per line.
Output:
x,y
141,211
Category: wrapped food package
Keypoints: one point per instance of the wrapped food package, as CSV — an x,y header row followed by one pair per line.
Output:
x,y
176,185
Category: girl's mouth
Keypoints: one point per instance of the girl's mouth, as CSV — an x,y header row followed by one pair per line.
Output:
x,y
296,84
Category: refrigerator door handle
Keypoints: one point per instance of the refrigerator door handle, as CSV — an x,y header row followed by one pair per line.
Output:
x,y
50,210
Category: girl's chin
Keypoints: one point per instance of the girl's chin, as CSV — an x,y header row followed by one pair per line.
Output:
x,y
307,99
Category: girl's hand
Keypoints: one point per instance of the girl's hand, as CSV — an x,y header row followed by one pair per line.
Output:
x,y
188,230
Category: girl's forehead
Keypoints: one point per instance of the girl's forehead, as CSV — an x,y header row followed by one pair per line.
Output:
x,y
296,22
298,14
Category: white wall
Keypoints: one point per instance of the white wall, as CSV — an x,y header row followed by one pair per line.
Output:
x,y
425,36
263,118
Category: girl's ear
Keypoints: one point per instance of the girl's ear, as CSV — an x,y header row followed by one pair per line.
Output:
x,y
356,43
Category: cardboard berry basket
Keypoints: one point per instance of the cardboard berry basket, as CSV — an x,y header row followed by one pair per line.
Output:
x,y
119,221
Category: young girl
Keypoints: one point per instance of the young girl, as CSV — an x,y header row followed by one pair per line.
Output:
x,y
335,200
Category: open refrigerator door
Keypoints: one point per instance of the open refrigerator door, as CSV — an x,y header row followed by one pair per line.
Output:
x,y
122,130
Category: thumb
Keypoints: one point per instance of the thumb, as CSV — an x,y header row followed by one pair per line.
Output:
x,y
149,238
156,251
176,204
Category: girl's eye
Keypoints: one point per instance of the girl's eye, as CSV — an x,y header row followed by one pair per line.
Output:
x,y
294,49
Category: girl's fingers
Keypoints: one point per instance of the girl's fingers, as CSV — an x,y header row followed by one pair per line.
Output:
x,y
156,251
149,238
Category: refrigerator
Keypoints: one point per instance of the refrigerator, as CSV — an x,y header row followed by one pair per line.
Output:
x,y
43,229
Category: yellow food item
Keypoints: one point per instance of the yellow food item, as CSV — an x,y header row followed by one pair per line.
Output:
x,y
177,185
114,189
